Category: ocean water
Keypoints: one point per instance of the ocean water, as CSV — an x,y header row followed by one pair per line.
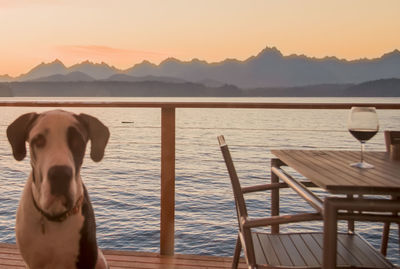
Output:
x,y
125,186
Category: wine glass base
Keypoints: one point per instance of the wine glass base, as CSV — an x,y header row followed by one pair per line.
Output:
x,y
362,165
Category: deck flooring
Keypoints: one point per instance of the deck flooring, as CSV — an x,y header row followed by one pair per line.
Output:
x,y
117,259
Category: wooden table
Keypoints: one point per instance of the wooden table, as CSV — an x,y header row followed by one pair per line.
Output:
x,y
362,194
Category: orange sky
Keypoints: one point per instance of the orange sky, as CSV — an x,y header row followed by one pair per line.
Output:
x,y
125,32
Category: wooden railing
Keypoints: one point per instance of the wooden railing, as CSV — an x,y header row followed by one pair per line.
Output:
x,y
167,222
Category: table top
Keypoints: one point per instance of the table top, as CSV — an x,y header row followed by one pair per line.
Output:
x,y
331,170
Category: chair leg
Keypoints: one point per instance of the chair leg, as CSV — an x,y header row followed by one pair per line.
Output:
x,y
386,231
236,256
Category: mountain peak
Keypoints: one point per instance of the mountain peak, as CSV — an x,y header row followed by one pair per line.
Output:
x,y
197,61
145,63
57,61
88,62
141,69
170,60
270,52
44,69
394,53
95,70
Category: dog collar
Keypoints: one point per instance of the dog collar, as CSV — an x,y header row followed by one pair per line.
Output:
x,y
63,216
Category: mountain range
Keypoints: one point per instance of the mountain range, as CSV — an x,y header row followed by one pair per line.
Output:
x,y
268,69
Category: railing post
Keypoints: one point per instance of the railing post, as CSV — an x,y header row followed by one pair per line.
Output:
x,y
167,219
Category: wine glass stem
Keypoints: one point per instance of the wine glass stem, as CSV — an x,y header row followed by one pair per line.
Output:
x,y
362,151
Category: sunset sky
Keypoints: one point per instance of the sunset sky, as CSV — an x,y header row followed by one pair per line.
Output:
x,y
126,32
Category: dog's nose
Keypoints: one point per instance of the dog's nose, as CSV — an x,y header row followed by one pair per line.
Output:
x,y
59,177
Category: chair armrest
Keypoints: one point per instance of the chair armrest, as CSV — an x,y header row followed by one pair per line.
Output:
x,y
271,186
298,187
260,222
264,187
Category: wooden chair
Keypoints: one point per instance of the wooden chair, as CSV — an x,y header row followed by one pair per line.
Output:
x,y
391,137
290,250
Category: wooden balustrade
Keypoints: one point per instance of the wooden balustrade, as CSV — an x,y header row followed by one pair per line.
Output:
x,y
167,222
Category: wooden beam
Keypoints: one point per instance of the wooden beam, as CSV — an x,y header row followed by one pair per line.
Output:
x,y
167,221
249,105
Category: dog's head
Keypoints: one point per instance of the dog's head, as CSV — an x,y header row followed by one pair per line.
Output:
x,y
57,141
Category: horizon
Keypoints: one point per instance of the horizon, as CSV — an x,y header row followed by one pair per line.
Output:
x,y
125,33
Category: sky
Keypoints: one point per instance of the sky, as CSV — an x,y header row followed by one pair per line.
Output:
x,y
123,33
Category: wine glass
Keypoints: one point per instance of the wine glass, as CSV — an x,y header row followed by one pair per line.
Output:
x,y
363,125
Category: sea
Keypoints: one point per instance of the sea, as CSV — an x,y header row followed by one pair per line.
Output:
x,y
125,186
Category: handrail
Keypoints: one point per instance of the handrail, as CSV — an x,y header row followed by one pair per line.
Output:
x,y
167,219
252,105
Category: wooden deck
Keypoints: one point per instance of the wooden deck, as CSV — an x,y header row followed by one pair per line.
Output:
x,y
10,258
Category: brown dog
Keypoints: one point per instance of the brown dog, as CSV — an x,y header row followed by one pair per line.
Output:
x,y
55,225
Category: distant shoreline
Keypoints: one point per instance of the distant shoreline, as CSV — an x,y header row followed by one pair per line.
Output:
x,y
376,88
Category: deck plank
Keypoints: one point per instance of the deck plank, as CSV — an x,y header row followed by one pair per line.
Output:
x,y
283,256
306,253
118,259
293,252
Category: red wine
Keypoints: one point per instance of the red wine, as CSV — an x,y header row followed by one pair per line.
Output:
x,y
362,135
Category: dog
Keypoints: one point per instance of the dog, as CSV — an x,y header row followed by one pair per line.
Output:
x,y
55,223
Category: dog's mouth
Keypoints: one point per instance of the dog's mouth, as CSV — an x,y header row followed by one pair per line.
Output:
x,y
57,204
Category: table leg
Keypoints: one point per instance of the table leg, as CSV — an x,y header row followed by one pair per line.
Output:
x,y
330,235
275,196
385,238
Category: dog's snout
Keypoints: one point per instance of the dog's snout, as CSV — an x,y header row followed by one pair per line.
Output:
x,y
60,177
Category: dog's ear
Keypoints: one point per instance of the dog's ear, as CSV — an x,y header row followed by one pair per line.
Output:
x,y
98,134
17,134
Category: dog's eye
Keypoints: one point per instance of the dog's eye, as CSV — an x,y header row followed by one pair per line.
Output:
x,y
39,141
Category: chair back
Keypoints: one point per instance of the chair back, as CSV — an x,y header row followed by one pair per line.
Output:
x,y
240,203
244,236
391,138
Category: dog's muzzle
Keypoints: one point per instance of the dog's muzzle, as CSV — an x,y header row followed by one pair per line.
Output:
x,y
60,177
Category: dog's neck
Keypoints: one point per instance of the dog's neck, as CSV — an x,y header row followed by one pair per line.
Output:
x,y
60,217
